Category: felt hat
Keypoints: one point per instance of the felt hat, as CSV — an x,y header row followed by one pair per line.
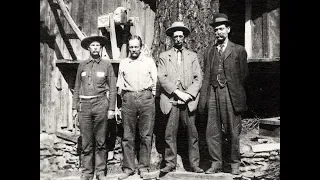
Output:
x,y
178,26
94,37
219,19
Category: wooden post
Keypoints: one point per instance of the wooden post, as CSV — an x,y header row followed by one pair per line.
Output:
x,y
113,38
248,29
66,14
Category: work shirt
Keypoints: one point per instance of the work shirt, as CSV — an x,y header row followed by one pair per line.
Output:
x,y
138,74
95,77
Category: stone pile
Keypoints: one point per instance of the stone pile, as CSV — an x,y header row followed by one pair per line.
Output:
x,y
255,164
57,154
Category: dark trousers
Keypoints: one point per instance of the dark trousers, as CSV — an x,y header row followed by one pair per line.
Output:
x,y
137,107
181,112
222,119
93,126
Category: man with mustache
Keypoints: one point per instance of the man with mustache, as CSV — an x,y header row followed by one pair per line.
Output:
x,y
223,95
180,80
137,80
94,100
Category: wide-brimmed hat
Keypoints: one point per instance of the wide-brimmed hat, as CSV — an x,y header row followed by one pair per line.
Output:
x,y
178,26
219,19
88,40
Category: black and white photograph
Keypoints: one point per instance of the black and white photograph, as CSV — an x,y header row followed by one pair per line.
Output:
x,y
160,90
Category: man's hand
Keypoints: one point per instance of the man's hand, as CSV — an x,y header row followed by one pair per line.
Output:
x,y
185,97
111,114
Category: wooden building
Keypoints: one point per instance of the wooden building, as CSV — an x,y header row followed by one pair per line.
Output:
x,y
256,26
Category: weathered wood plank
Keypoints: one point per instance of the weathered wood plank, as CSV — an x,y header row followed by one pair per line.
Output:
x,y
265,147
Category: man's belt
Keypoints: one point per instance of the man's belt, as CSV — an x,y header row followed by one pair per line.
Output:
x,y
89,97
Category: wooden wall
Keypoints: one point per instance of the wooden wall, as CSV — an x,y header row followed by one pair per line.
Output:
x,y
55,93
265,28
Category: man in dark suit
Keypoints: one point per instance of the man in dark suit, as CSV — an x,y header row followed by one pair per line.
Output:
x,y
223,95
180,78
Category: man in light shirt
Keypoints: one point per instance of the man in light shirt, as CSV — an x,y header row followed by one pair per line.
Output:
x,y
137,80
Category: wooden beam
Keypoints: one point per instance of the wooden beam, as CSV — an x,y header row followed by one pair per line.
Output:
x,y
72,36
62,32
113,38
265,147
263,59
248,28
67,15
265,35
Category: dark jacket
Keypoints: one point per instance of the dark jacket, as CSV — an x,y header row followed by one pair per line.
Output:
x,y
236,71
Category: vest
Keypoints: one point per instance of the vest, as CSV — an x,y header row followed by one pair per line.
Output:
x,y
217,69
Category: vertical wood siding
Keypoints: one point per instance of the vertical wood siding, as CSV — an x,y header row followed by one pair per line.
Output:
x,y
55,93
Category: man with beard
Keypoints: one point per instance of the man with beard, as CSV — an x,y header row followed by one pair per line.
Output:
x,y
180,80
94,99
223,95
137,80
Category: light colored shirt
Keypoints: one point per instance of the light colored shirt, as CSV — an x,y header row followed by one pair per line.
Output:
x,y
138,74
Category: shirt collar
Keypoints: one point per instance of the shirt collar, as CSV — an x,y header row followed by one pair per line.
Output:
x,y
94,60
225,43
176,50
140,58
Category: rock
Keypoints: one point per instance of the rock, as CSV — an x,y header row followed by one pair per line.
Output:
x,y
67,166
42,157
54,168
51,160
43,146
67,155
272,158
46,169
263,141
58,153
44,164
263,155
60,161
47,140
273,153
245,149
251,160
52,151
248,154
60,146
277,157
68,148
68,142
45,153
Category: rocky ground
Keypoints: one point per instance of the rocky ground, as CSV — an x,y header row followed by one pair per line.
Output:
x,y
59,160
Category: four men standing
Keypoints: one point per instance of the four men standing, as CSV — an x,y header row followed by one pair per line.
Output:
x,y
180,78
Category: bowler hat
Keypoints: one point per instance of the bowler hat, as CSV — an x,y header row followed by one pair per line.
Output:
x,y
178,26
219,19
88,40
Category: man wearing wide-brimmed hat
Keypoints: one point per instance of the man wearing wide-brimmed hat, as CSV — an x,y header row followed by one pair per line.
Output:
x,y
94,100
223,95
180,78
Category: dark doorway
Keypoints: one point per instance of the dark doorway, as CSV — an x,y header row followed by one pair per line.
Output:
x,y
235,9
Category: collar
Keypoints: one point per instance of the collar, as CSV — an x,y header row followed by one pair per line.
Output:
x,y
225,43
176,50
94,60
140,58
